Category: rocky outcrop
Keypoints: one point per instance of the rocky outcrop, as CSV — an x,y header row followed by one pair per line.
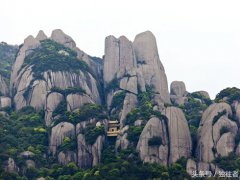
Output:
x,y
150,70
65,158
216,132
3,87
75,101
89,155
191,166
129,104
154,153
30,90
53,100
5,102
179,134
41,36
60,37
131,67
59,132
178,92
122,141
178,88
30,43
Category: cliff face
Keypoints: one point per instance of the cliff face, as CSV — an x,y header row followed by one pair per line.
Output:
x,y
80,94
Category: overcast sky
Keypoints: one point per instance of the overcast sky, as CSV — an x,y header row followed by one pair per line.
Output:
x,y
198,41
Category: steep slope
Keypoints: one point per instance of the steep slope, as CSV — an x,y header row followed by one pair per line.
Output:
x,y
45,66
131,68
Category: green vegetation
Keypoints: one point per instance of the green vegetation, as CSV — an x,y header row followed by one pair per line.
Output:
x,y
24,130
228,163
224,130
7,57
134,133
218,116
228,94
92,132
69,90
155,141
86,112
193,109
56,57
68,145
118,99
112,85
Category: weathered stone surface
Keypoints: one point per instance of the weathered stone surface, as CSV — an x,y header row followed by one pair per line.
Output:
x,y
29,45
65,158
41,36
22,84
75,101
3,87
206,143
150,69
53,100
59,36
129,103
119,60
179,134
178,88
111,59
226,144
5,102
178,100
202,166
82,80
191,166
129,84
37,97
224,122
59,132
122,141
89,155
153,154
138,122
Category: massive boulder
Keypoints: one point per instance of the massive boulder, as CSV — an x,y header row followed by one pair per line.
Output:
x,y
212,139
41,36
29,89
178,88
30,43
179,134
60,37
89,155
52,102
154,153
75,101
59,132
66,157
150,69
178,92
133,67
5,102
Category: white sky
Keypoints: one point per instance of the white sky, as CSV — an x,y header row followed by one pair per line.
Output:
x,y
198,40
